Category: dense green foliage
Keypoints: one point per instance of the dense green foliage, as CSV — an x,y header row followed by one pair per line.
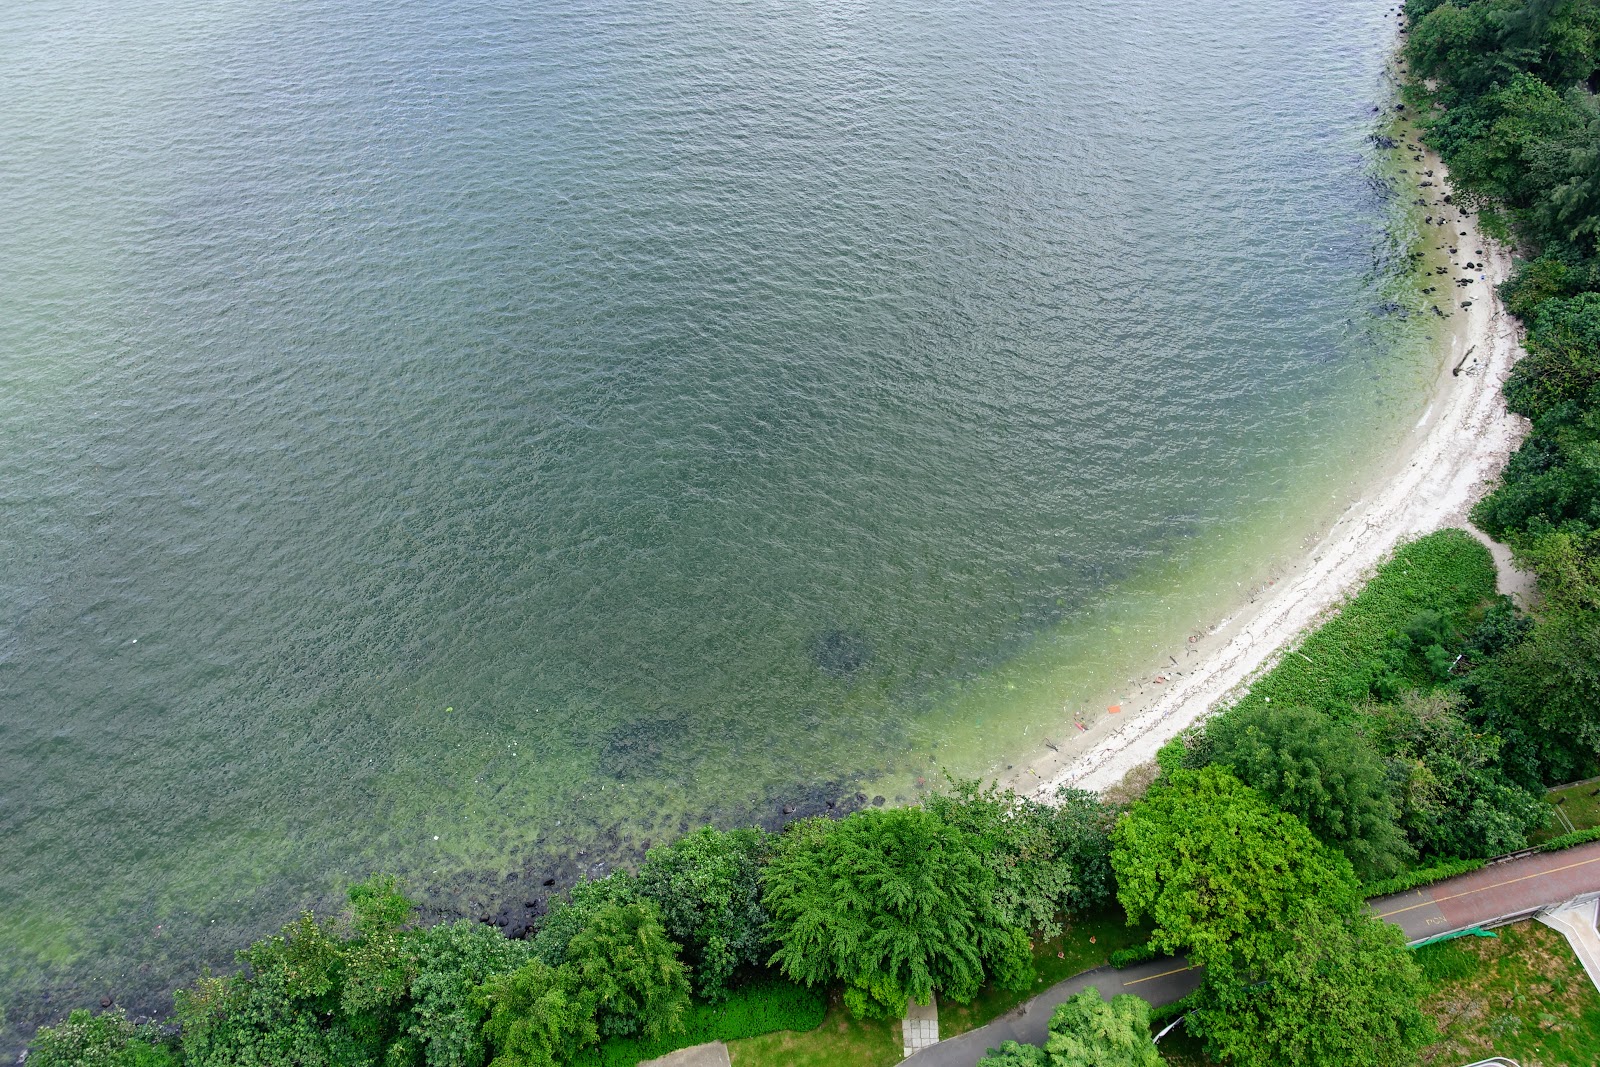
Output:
x,y
1513,112
1323,983
707,887
1086,1031
1323,773
1046,858
537,1017
625,965
1297,971
892,903
1211,862
104,1040
450,962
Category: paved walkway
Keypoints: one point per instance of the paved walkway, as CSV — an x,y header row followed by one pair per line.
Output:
x,y
1577,925
713,1054
1500,892
1511,889
1159,981
920,1028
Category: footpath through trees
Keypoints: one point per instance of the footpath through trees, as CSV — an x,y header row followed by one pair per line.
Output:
x,y
1502,892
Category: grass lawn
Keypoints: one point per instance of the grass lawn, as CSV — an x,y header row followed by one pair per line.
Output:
x,y
841,1041
1579,803
1522,995
1087,942
1180,1049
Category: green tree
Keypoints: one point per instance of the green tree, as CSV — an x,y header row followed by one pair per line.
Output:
x,y
1563,360
105,1040
376,968
1325,984
1455,800
707,887
1086,1031
568,917
450,962
1046,858
535,1017
1208,860
1322,773
894,903
624,962
282,1007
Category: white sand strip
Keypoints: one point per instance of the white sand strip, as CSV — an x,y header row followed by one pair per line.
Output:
x,y
1446,464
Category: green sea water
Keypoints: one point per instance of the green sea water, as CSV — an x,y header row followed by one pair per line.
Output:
x,y
476,440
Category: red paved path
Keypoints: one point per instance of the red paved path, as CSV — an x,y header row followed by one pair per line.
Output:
x,y
1495,892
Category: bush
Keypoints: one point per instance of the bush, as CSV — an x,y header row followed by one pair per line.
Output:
x,y
104,1040
1577,837
762,1007
1127,957
1436,872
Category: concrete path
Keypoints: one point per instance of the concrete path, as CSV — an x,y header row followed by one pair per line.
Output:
x,y
1499,893
920,1028
1578,926
714,1054
1159,981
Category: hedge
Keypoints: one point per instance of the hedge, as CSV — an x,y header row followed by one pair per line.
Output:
x,y
1127,957
760,1008
1577,837
1422,876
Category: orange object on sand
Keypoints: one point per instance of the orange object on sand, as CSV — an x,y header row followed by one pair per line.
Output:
x,y
1114,709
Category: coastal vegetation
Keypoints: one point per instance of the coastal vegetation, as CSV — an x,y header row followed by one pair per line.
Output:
x,y
1410,736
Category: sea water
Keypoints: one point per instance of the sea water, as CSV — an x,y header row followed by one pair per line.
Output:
x,y
477,440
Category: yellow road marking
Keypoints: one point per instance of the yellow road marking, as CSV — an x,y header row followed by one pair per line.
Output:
x,y
1484,889
1153,977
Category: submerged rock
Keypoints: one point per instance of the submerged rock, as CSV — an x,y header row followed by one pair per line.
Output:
x,y
841,652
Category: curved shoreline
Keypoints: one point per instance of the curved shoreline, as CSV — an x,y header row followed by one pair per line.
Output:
x,y
1444,465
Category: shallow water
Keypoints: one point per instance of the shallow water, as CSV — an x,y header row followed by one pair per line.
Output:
x,y
445,437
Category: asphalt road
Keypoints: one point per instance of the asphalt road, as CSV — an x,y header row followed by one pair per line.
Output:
x,y
1159,981
1500,891
1504,890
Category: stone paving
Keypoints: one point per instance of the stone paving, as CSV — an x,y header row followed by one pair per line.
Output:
x,y
714,1054
920,1028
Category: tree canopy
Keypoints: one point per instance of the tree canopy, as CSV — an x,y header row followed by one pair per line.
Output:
x,y
1086,1031
894,904
707,887
1322,773
1208,861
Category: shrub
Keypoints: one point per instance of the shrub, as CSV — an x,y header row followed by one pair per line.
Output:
x,y
1127,957
1436,872
1577,837
762,1007
105,1040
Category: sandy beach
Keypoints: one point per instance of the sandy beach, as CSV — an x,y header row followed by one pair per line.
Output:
x,y
1444,465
